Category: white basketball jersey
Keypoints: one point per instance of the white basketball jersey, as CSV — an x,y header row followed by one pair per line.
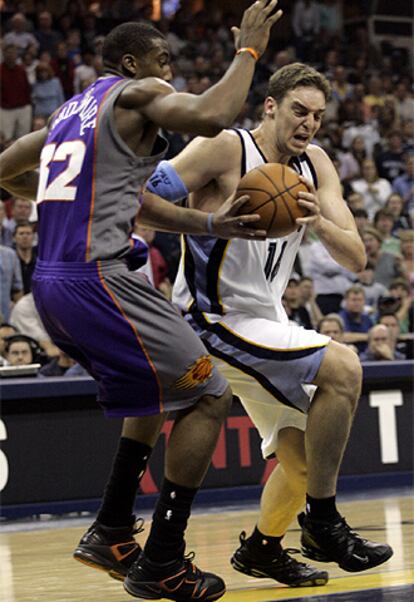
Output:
x,y
219,276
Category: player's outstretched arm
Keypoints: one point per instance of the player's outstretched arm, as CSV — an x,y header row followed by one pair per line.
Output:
x,y
17,163
162,215
217,107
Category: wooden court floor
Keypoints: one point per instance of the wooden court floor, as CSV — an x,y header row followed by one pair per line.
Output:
x,y
36,563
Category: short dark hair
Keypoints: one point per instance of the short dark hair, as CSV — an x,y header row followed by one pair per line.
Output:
x,y
294,76
129,38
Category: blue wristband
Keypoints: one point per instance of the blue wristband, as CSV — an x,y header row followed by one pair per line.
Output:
x,y
166,183
210,218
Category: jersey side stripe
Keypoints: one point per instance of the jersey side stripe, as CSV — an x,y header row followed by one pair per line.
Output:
x,y
230,337
214,267
261,379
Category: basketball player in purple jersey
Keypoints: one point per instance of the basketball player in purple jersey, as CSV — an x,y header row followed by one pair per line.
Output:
x,y
95,156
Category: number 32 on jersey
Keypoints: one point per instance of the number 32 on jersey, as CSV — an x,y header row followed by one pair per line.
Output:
x,y
61,188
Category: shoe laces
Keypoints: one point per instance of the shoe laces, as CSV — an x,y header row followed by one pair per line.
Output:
x,y
285,558
345,534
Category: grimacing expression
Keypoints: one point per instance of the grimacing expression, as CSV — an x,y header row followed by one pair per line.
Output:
x,y
298,118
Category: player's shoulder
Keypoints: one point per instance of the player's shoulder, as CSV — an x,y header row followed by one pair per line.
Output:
x,y
139,92
316,153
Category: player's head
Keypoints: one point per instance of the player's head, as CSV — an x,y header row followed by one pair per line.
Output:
x,y
296,100
137,50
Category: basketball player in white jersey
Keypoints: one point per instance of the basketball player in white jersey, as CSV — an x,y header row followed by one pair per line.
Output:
x,y
231,292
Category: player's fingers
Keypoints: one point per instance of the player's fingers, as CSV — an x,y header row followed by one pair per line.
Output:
x,y
246,219
250,234
236,34
307,196
237,203
274,18
309,205
270,7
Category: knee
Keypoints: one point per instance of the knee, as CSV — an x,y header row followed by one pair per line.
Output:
x,y
347,371
342,372
216,408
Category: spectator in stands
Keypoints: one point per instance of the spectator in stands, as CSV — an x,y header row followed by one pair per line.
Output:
x,y
395,205
400,290
390,162
356,321
15,102
19,35
330,279
404,184
11,284
47,91
387,266
374,190
380,346
332,326
390,320
25,318
350,162
384,223
57,366
361,220
30,62
355,201
296,312
6,235
307,299
405,101
372,290
64,69
27,254
306,26
6,330
19,350
47,37
374,97
407,253
85,72
21,210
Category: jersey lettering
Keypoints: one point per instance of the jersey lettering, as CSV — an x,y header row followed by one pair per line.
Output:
x,y
270,269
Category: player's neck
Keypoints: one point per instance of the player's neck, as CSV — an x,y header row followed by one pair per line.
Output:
x,y
266,142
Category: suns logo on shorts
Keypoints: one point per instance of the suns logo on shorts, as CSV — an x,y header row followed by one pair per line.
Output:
x,y
196,374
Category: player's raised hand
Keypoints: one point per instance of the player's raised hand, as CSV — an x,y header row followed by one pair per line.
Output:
x,y
227,222
255,26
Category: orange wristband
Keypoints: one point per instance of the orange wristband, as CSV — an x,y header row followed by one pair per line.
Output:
x,y
251,51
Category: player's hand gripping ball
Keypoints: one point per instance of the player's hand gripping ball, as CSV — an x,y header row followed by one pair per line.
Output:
x,y
273,189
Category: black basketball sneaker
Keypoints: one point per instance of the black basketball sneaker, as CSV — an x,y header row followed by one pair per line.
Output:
x,y
178,580
334,541
110,549
281,567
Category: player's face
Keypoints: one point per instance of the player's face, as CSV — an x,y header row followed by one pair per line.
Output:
x,y
156,63
298,118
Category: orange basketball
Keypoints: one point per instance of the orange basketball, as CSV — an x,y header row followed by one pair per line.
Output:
x,y
273,189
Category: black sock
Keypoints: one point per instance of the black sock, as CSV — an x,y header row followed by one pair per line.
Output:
x,y
321,509
121,489
264,545
166,539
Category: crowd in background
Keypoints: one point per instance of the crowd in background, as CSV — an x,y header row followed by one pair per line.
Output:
x,y
368,131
